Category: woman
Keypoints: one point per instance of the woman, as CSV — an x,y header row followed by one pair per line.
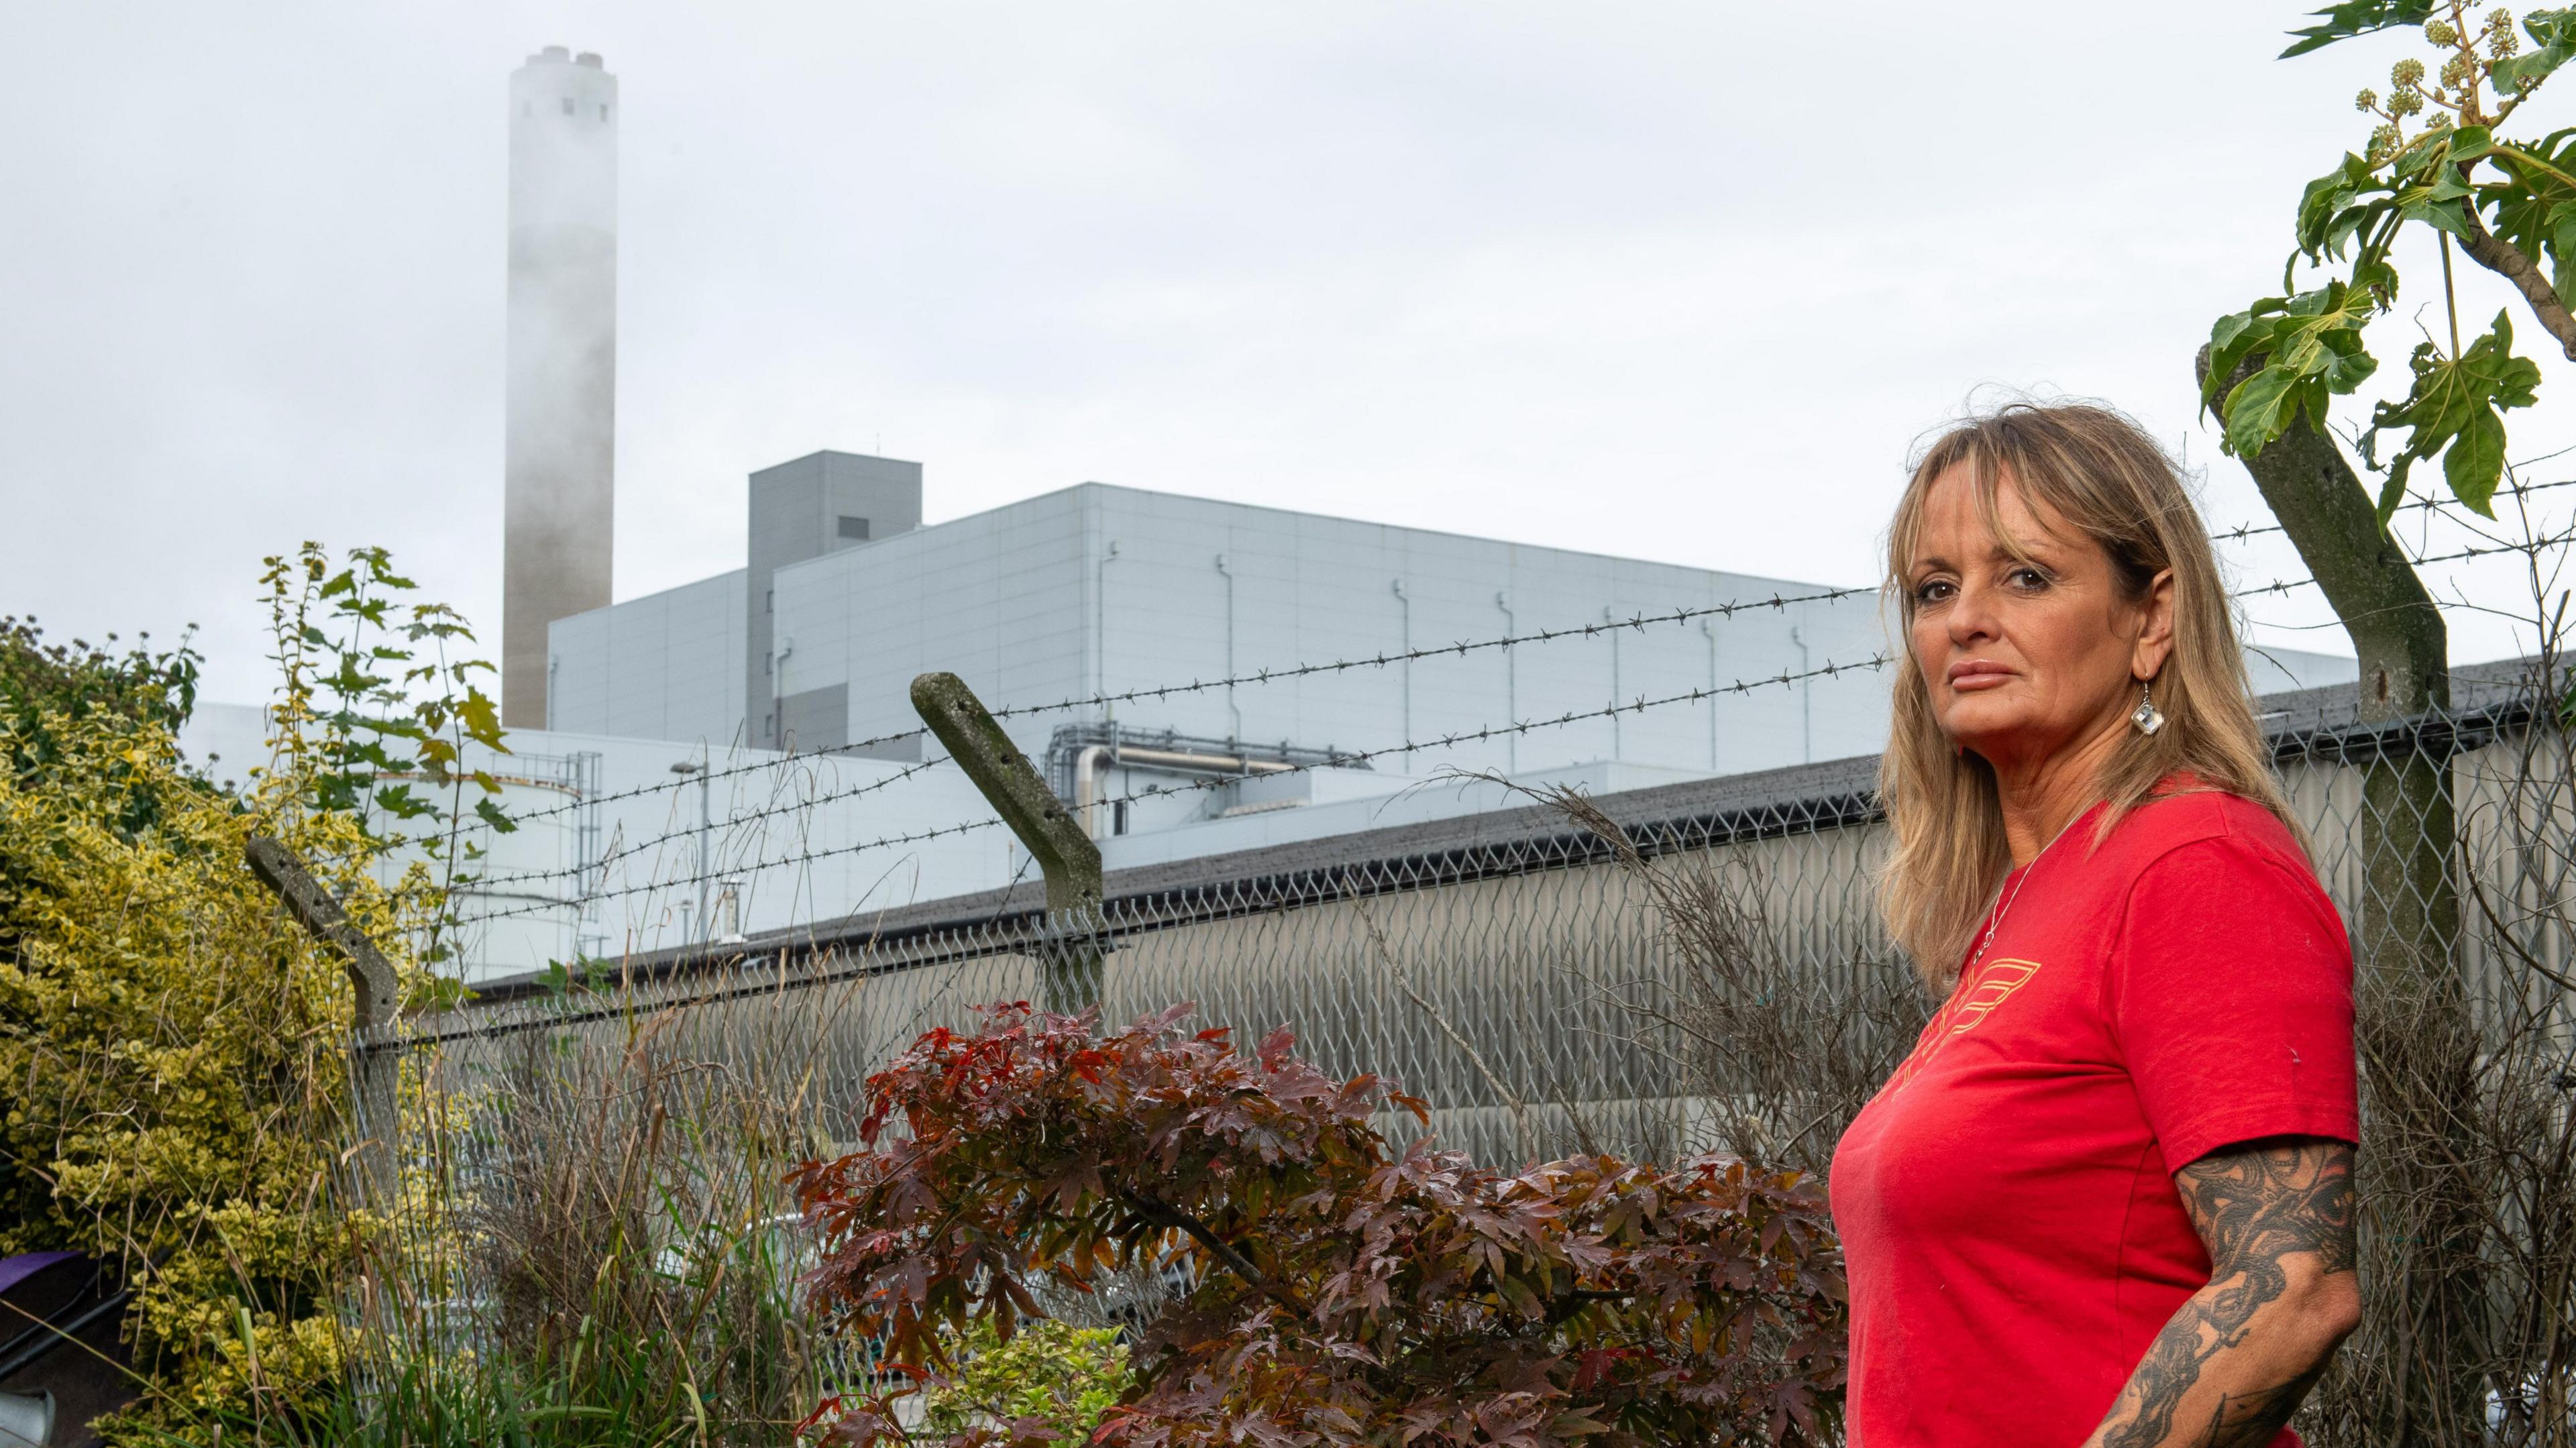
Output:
x,y
2107,1200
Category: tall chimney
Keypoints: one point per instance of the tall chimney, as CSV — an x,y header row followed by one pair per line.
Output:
x,y
559,467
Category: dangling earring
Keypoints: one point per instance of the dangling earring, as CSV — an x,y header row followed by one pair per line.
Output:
x,y
2146,716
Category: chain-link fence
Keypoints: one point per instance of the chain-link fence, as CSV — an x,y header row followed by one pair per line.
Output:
x,y
1667,970
1510,968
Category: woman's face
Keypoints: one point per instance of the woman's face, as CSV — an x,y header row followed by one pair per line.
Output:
x,y
2032,655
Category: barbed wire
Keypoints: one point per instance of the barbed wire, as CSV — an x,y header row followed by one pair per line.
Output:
x,y
1829,669
2284,585
2426,502
1339,758
584,901
2277,585
1638,622
682,832
838,751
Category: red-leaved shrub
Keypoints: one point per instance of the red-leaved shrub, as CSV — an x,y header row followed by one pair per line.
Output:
x,y
1329,1288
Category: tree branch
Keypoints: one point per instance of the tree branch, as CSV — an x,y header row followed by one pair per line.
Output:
x,y
2506,260
2404,648
1565,1304
1163,1215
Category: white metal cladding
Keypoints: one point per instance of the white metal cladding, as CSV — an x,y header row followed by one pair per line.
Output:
x,y
1100,589
666,666
994,597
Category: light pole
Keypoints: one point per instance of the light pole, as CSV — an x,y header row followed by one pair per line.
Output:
x,y
1405,601
1234,711
1806,698
1511,685
699,927
1708,630
1610,618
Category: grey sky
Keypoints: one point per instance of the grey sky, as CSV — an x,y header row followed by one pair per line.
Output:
x,y
1678,281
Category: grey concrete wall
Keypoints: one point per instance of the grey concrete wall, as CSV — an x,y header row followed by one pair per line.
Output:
x,y
560,409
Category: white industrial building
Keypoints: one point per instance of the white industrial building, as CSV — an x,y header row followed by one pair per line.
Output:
x,y
772,701
1098,590
739,755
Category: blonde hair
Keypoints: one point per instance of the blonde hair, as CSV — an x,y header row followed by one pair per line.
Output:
x,y
2099,472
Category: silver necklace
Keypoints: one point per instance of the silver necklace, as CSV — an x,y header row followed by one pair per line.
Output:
x,y
1997,923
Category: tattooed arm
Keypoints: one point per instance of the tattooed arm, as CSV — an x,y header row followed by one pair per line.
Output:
x,y
2231,1366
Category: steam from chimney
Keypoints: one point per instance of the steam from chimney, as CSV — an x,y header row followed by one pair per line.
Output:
x,y
559,468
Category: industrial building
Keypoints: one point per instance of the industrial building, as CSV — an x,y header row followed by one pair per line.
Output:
x,y
1100,593
739,755
1094,592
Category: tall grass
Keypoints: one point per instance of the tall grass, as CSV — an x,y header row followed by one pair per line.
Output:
x,y
593,1243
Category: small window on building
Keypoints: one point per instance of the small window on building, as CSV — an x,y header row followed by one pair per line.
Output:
x,y
766,660
854,527
603,113
567,100
1118,818
769,601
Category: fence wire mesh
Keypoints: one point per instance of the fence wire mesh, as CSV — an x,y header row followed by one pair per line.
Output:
x,y
1672,970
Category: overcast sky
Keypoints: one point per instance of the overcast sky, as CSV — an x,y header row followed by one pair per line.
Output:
x,y
1678,281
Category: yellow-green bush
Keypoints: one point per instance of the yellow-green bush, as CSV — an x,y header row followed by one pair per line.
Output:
x,y
171,1045
172,1048
1064,1376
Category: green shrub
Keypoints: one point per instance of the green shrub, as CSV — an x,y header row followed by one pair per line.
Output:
x,y
1062,1376
171,1044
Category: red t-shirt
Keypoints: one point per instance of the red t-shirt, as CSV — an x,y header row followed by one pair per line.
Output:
x,y
2006,1201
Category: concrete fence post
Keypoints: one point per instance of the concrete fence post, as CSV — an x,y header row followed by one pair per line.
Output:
x,y
1070,956
372,1064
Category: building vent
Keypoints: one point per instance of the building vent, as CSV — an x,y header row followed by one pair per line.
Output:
x,y
854,527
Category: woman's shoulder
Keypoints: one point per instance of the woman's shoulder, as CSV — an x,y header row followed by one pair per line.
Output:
x,y
2184,812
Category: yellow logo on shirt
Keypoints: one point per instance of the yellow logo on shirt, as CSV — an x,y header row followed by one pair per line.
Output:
x,y
1995,985
1966,1009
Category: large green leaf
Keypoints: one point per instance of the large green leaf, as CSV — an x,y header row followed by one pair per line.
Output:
x,y
2458,403
2357,17
2307,349
2333,209
2436,202
2532,197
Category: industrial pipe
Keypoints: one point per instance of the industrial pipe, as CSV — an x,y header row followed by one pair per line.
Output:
x,y
1087,761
